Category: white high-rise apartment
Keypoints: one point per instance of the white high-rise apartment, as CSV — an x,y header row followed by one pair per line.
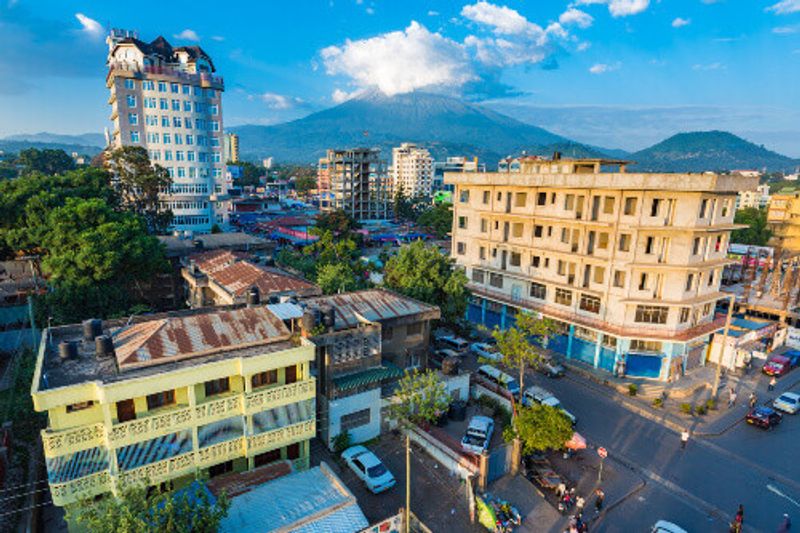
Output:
x,y
412,171
169,101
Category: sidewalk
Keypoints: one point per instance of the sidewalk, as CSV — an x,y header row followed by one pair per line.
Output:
x,y
693,389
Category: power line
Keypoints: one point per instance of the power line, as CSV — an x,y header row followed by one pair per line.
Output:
x,y
25,509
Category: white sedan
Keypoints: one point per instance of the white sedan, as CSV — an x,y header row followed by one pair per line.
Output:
x,y
662,526
788,402
486,351
369,469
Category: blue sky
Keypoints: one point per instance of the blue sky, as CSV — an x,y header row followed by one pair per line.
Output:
x,y
617,73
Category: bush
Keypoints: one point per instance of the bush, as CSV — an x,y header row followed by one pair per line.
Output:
x,y
633,388
711,403
686,408
341,442
658,402
702,409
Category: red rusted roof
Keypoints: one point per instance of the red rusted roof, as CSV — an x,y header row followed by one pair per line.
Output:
x,y
172,338
374,305
239,277
214,260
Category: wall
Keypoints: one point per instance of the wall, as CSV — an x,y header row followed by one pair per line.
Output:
x,y
449,459
343,406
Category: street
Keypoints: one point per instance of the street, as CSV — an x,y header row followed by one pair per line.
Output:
x,y
700,487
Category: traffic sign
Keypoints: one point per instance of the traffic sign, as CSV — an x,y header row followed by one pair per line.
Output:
x,y
602,452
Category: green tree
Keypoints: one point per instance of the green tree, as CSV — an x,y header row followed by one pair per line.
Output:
x,y
336,278
523,344
539,428
45,161
139,183
337,222
134,511
757,232
420,398
304,184
437,219
423,272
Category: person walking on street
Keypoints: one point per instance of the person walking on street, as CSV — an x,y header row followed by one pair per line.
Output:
x,y
753,399
785,525
731,398
772,382
599,496
738,521
579,503
684,438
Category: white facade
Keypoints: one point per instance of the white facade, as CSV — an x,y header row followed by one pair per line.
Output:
x,y
758,198
168,101
412,171
370,401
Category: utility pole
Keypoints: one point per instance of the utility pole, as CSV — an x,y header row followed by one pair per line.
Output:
x,y
408,482
724,345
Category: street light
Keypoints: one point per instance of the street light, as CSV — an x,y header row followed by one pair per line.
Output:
x,y
724,343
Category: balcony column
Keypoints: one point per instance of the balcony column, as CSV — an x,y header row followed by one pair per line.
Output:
x,y
597,348
503,311
569,341
192,404
483,311
108,421
665,372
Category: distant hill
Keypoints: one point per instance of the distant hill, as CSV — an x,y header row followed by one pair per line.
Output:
x,y
447,126
701,151
84,139
8,146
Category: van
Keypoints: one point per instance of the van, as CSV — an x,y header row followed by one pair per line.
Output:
x,y
534,395
478,435
499,378
454,343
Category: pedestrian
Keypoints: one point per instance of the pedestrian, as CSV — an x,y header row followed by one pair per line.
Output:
x,y
731,398
786,524
561,489
753,399
684,438
579,503
599,496
738,521
772,382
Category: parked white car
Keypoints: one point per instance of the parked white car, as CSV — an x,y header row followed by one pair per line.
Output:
x,y
369,469
662,526
545,397
478,435
486,351
788,402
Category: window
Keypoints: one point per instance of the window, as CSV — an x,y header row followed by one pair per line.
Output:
x,y
267,457
186,89
148,85
354,420
608,205
214,109
537,231
726,205
176,122
181,170
461,248
151,120
643,281
599,274
133,119
162,86
563,297
414,329
163,103
703,208
655,207
541,198
176,105
624,242
262,379
217,386
463,196
535,261
689,282
638,345
187,106
619,279
189,136
561,268
496,280
175,88
516,259
290,373
538,291
167,155
486,197
178,138
130,100
520,199
499,196
718,243
214,125
462,222
516,230
648,244
706,309
569,202
80,406
166,138
630,205
164,121
651,314
589,303
696,246
478,276
134,136
160,399
684,315
190,156
482,252
565,235
602,242
484,225
711,278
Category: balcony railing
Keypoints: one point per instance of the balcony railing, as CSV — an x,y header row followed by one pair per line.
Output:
x,y
78,489
58,443
205,79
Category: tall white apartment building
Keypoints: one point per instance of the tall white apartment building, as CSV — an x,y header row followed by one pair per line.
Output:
x,y
169,101
627,264
354,181
412,171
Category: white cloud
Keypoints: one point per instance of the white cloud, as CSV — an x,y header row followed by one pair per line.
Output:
x,y
433,13
218,38
786,30
187,35
340,96
785,7
577,17
400,61
503,20
370,11
620,8
90,26
681,22
602,68
582,47
709,66
278,101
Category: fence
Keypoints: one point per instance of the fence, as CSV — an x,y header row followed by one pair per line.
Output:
x,y
462,465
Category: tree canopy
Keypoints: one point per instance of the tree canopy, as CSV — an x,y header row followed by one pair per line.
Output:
x,y
45,161
337,222
437,219
331,261
423,272
420,397
134,511
304,184
540,428
757,233
138,182
337,277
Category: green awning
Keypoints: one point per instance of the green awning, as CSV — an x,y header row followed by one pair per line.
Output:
x,y
367,377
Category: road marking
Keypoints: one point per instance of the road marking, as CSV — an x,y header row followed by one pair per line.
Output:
x,y
776,490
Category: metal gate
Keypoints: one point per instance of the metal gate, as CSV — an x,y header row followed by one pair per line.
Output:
x,y
499,462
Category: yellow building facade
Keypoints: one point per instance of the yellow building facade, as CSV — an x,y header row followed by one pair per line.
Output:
x,y
783,218
171,398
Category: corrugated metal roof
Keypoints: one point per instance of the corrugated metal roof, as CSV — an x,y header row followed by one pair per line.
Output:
x,y
367,377
286,310
374,305
166,339
216,260
314,501
239,277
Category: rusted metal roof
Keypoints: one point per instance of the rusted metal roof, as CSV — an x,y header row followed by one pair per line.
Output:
x,y
239,277
172,338
215,260
374,305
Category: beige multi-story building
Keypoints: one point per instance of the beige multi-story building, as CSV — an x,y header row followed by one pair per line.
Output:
x,y
412,171
169,101
757,198
354,181
783,218
231,148
628,264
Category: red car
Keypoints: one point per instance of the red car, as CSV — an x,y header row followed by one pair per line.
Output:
x,y
777,366
764,417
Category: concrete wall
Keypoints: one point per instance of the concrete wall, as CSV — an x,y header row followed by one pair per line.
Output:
x,y
343,406
452,461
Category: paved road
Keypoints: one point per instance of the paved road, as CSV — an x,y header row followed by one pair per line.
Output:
x,y
699,487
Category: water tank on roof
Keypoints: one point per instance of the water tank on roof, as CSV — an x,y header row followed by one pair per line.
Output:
x,y
310,320
92,328
103,346
253,296
67,350
328,316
